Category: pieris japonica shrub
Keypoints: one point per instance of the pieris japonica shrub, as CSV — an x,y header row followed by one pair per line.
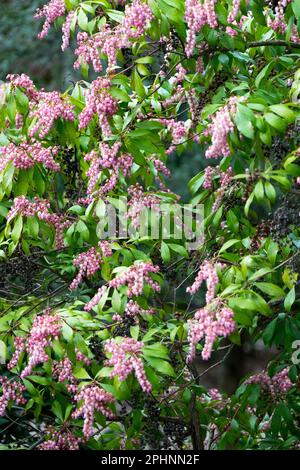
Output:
x,y
104,340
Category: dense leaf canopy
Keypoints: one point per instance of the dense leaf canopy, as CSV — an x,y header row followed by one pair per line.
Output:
x,y
104,342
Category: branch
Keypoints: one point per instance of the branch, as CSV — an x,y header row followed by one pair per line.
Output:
x,y
195,425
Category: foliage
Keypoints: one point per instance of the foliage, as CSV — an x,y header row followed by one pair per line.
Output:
x,y
110,362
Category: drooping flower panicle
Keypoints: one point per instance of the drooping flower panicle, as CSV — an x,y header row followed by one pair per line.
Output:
x,y
100,102
92,398
211,322
135,277
26,154
45,328
124,358
40,207
12,390
219,129
89,262
52,10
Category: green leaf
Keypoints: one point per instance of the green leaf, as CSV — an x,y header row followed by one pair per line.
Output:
x,y
165,252
82,374
276,122
116,301
39,380
270,289
228,244
135,331
115,15
259,191
254,303
270,192
161,366
244,119
137,84
119,94
83,230
17,230
82,20
181,250
264,73
30,387
57,410
248,203
290,299
283,111
156,350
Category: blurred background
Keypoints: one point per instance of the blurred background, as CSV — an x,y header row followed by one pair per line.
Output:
x,y
20,52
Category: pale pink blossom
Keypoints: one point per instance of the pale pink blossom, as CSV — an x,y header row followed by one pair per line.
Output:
x,y
124,358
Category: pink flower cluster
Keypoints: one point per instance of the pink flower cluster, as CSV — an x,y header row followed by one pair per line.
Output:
x,y
136,20
93,399
160,166
49,107
178,131
193,102
98,100
214,395
45,107
135,277
87,51
44,329
125,358
208,273
138,202
277,385
219,129
225,179
19,344
80,356
210,172
11,390
231,18
96,299
210,322
40,207
89,262
62,439
23,81
178,93
66,29
54,9
63,372
279,23
110,41
177,96
138,15
133,310
19,121
26,154
198,14
108,158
